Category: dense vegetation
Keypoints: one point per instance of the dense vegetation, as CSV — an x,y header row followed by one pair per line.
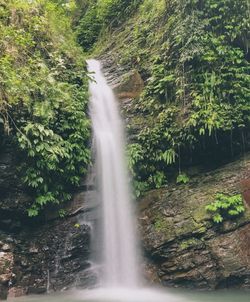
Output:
x,y
43,97
198,89
97,16
194,58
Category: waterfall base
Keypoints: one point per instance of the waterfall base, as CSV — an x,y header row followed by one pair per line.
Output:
x,y
128,295
139,295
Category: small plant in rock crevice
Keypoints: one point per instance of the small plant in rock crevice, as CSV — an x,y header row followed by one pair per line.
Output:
x,y
226,207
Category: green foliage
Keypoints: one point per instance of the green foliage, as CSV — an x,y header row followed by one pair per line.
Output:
x,y
158,179
135,160
226,206
100,15
114,12
194,58
197,99
89,28
182,179
62,213
43,97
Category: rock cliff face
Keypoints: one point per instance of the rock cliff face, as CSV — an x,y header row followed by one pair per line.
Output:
x,y
43,254
179,238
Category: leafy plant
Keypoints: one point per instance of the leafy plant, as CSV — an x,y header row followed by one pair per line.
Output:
x,y
62,213
44,97
100,15
88,28
226,206
182,178
196,102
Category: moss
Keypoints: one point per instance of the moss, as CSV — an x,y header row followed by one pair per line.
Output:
x,y
185,244
202,230
199,213
161,224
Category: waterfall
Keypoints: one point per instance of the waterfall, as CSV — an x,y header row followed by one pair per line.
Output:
x,y
119,252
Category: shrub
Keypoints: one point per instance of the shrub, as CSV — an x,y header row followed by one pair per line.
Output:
x,y
225,207
44,97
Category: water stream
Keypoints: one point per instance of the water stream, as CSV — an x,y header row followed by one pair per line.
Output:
x,y
119,252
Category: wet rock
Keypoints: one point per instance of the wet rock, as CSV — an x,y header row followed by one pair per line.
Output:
x,y
15,292
3,292
87,278
40,253
33,250
150,273
36,290
6,247
6,267
181,241
245,186
130,86
51,255
232,251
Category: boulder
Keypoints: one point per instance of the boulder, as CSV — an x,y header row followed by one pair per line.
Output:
x,y
130,86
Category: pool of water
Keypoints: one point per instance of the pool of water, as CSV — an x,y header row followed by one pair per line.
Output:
x,y
143,295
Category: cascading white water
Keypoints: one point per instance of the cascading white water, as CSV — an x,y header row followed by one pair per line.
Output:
x,y
119,235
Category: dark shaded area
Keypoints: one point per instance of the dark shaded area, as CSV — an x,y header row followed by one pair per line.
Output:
x,y
42,253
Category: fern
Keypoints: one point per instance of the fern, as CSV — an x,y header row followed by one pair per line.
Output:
x,y
225,207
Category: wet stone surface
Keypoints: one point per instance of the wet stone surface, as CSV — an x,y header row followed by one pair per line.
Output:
x,y
179,238
41,254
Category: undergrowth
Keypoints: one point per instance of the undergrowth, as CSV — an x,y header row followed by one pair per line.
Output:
x,y
43,97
